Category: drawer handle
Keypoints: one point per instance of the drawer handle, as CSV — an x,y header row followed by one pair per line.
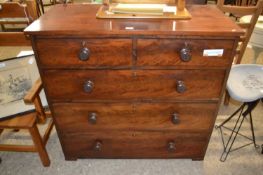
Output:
x,y
171,146
88,86
84,53
175,118
185,54
180,86
92,118
98,145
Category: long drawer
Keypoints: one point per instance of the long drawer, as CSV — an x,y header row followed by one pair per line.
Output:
x,y
65,53
167,52
134,145
84,117
133,85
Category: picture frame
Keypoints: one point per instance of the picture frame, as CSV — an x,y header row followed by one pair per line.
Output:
x,y
17,76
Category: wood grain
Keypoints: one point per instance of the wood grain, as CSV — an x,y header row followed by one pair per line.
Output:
x,y
134,145
133,85
74,117
80,20
103,52
166,52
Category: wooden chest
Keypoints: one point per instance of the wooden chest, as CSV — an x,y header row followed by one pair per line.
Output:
x,y
134,88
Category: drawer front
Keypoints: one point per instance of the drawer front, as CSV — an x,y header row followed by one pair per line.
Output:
x,y
167,52
65,53
134,145
127,85
83,117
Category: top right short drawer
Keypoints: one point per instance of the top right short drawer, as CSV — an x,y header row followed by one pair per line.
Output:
x,y
184,52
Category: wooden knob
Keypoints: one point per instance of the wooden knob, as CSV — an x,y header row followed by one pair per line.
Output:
x,y
185,54
98,145
171,146
92,118
88,86
175,118
84,54
180,87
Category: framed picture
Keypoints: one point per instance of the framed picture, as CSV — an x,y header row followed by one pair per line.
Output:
x,y
17,76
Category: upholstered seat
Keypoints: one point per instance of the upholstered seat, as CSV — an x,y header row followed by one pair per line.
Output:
x,y
245,82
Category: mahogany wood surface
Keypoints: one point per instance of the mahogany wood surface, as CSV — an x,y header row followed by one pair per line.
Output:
x,y
130,80
103,52
80,19
136,144
192,117
133,85
151,52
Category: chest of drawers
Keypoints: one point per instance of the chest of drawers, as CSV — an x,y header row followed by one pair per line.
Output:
x,y
149,92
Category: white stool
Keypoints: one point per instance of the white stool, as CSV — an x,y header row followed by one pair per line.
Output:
x,y
245,84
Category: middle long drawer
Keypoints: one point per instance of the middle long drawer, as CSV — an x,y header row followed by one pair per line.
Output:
x,y
90,85
83,117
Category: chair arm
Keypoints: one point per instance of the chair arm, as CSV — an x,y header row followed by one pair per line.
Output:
x,y
33,92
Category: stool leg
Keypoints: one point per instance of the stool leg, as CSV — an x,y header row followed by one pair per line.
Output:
x,y
252,130
229,118
232,138
39,145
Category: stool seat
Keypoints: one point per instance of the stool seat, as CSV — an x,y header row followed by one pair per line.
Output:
x,y
245,82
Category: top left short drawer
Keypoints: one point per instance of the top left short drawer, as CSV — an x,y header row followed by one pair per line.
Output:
x,y
77,53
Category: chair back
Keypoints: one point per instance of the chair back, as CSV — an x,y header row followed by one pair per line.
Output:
x,y
239,11
16,13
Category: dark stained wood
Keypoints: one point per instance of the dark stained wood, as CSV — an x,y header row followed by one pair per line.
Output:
x,y
74,117
135,144
151,52
80,19
134,69
103,52
137,84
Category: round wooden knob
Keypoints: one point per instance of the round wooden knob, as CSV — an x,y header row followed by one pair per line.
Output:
x,y
171,146
175,118
84,54
92,118
185,54
97,145
180,87
88,86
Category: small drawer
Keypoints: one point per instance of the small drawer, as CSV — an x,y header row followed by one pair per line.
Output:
x,y
76,53
183,52
135,145
90,85
84,117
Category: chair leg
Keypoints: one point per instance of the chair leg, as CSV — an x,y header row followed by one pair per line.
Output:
x,y
39,145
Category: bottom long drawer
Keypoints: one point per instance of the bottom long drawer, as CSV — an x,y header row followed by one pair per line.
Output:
x,y
135,145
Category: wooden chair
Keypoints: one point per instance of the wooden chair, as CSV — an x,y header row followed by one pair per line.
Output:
x,y
239,11
16,13
29,121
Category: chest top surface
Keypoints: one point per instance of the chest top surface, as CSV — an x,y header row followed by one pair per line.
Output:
x,y
80,19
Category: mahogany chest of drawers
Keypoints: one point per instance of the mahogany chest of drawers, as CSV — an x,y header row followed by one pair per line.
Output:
x,y
133,88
